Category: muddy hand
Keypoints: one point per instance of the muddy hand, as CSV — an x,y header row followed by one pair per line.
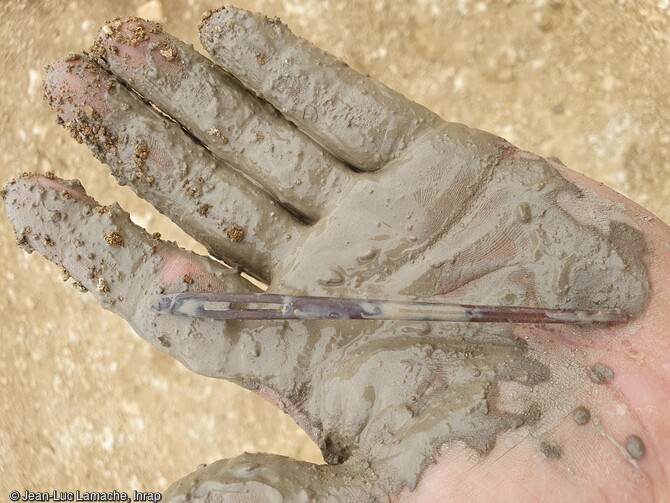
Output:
x,y
289,165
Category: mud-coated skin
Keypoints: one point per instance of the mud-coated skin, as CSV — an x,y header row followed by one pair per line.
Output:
x,y
434,211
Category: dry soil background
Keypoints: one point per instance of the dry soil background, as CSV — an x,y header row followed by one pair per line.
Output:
x,y
86,404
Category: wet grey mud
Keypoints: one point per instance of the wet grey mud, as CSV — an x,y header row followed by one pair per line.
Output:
x,y
334,185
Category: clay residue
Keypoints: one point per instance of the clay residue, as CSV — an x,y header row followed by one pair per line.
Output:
x,y
635,447
581,415
601,373
268,477
456,233
204,209
551,450
475,220
130,35
451,396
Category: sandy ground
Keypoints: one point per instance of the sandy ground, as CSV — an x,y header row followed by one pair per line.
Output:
x,y
86,404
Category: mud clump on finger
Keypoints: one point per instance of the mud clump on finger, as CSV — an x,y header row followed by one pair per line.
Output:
x,y
141,155
114,238
235,233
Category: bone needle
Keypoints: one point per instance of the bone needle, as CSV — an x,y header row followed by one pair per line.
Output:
x,y
269,306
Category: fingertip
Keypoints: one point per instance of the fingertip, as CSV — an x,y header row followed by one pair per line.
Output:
x,y
76,83
17,187
129,30
35,205
63,72
56,79
216,21
125,42
206,18
137,30
21,190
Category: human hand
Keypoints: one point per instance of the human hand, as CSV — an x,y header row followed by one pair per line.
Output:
x,y
444,213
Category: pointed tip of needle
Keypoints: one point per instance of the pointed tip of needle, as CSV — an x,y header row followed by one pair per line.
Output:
x,y
591,316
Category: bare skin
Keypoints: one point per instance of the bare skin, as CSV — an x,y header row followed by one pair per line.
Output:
x,y
370,196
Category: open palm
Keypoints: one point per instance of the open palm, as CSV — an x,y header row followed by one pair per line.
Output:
x,y
292,167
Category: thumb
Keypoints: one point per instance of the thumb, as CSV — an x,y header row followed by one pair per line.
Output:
x,y
256,478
